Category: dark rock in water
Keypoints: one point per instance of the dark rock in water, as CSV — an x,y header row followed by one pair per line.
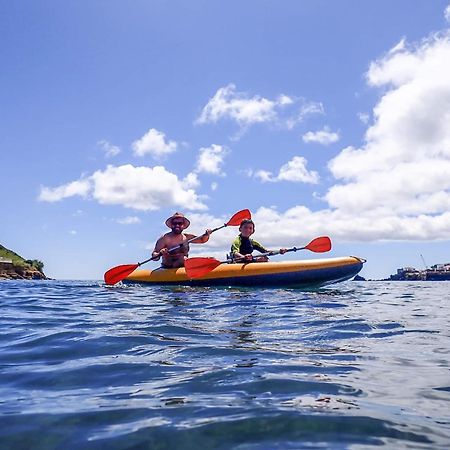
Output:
x,y
359,278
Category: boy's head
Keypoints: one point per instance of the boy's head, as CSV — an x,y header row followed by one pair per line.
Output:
x,y
247,227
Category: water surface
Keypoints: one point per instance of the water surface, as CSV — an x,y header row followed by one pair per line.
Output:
x,y
356,365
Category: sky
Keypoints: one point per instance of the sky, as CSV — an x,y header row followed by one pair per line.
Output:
x,y
321,117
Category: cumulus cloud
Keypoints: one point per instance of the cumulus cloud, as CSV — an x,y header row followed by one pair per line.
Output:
x,y
447,13
210,159
400,177
396,186
294,170
248,110
109,149
140,188
154,143
324,136
79,187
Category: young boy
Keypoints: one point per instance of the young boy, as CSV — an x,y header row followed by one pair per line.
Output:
x,y
243,246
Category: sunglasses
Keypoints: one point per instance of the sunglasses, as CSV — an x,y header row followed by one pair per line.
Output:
x,y
174,224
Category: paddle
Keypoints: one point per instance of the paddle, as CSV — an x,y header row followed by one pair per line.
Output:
x,y
197,267
118,273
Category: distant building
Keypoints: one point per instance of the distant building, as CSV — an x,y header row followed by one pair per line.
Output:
x,y
438,272
5,260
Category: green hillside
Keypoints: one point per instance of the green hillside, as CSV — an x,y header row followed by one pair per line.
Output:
x,y
18,261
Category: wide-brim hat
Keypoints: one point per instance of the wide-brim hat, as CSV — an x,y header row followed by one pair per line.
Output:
x,y
177,215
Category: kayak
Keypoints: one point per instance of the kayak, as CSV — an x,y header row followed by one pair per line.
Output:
x,y
300,274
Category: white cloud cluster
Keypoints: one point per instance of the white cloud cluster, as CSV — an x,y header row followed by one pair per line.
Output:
x,y
211,159
154,143
447,13
324,136
294,170
140,188
397,185
227,103
403,169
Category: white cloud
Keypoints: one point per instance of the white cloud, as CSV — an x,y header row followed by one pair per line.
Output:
x,y
140,188
308,108
227,103
398,183
190,181
364,118
324,136
294,170
129,220
210,159
109,149
246,110
398,47
447,13
280,229
154,142
80,187
396,186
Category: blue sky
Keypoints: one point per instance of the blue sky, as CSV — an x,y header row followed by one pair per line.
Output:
x,y
321,117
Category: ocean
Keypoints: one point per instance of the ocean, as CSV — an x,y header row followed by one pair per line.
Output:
x,y
353,366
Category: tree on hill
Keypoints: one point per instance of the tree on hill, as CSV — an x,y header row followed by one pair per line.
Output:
x,y
38,265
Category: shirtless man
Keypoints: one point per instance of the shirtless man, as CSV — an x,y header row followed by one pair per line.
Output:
x,y
177,223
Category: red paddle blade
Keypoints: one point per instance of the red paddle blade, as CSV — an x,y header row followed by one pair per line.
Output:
x,y
239,217
116,274
319,245
197,267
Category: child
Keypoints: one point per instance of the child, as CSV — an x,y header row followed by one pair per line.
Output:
x,y
243,246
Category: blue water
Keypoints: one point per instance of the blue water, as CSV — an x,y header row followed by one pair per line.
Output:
x,y
357,365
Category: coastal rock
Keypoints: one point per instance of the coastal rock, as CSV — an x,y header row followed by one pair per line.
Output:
x,y
20,273
14,267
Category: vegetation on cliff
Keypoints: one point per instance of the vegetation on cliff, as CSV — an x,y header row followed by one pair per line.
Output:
x,y
20,268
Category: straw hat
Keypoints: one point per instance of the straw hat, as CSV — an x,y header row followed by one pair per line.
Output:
x,y
177,215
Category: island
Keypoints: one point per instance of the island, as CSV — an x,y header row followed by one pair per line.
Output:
x,y
14,267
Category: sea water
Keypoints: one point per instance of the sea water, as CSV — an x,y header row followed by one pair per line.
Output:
x,y
356,365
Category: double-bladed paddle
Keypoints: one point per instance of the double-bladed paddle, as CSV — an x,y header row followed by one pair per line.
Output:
x,y
118,273
197,267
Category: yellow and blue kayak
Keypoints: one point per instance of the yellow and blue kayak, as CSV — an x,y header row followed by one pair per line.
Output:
x,y
298,274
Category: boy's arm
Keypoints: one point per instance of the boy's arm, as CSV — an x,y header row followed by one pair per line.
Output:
x,y
259,247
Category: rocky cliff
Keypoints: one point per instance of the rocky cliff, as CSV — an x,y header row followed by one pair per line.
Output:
x,y
14,267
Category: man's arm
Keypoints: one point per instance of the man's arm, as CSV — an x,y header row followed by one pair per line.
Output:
x,y
200,239
159,248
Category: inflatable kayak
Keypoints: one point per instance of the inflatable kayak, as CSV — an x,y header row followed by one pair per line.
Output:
x,y
303,274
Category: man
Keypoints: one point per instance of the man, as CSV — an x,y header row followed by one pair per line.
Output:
x,y
178,240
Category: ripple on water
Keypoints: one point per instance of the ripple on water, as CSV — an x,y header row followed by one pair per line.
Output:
x,y
358,364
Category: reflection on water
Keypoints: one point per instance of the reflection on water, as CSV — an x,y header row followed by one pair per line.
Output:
x,y
356,365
